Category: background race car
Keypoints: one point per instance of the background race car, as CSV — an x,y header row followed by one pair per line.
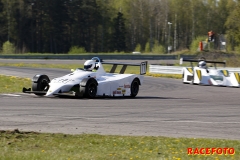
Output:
x,y
202,74
90,82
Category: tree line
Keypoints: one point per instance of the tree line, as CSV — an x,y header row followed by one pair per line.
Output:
x,y
54,26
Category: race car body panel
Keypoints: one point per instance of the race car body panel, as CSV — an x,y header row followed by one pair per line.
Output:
x,y
65,83
116,85
187,75
108,85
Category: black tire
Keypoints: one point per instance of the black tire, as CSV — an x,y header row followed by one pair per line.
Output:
x,y
42,84
90,89
134,87
193,81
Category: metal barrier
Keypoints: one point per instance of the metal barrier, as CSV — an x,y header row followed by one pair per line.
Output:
x,y
102,56
179,70
165,69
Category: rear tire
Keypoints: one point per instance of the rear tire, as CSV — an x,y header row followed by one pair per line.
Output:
x,y
193,81
42,84
134,87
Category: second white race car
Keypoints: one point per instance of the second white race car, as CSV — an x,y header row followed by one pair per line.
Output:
x,y
90,82
203,75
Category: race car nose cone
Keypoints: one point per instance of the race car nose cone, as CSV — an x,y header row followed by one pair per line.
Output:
x,y
54,89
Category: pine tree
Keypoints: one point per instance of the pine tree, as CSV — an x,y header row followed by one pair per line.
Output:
x,y
119,33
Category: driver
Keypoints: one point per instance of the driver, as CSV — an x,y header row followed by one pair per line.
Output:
x,y
203,64
89,65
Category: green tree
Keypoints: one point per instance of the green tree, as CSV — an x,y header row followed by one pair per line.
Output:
x,y
233,25
57,25
138,48
8,48
86,18
147,48
3,21
158,48
8,25
55,22
119,33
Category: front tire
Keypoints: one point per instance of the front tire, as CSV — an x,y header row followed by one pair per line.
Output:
x,y
90,89
135,87
42,84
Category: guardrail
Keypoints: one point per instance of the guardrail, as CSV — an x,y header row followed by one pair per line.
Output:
x,y
102,56
165,69
178,69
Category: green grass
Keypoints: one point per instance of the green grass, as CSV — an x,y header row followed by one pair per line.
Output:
x,y
12,84
16,145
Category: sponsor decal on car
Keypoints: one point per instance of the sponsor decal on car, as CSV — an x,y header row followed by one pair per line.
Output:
x,y
225,73
237,77
190,70
217,78
126,86
199,74
62,80
117,92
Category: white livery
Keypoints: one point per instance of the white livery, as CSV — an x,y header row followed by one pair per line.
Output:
x,y
203,75
89,83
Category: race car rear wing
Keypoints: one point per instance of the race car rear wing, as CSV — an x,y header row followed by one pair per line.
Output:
x,y
193,60
143,66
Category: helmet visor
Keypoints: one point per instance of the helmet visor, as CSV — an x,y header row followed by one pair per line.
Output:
x,y
87,66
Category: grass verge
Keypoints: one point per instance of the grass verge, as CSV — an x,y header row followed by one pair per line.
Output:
x,y
45,146
12,84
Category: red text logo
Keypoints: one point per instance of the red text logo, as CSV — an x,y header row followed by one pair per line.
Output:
x,y
210,151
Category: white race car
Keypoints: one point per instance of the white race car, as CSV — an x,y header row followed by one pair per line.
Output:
x,y
203,75
89,83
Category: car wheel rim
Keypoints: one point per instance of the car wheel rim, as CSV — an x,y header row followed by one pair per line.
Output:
x,y
135,88
43,84
92,90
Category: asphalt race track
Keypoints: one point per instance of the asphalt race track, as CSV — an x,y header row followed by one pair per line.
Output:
x,y
163,107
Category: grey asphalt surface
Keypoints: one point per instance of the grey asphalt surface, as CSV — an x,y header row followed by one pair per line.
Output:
x,y
163,107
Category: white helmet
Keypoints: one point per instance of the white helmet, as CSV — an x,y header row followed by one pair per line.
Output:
x,y
202,64
89,65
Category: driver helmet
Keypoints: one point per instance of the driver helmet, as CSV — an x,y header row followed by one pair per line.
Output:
x,y
89,65
202,64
